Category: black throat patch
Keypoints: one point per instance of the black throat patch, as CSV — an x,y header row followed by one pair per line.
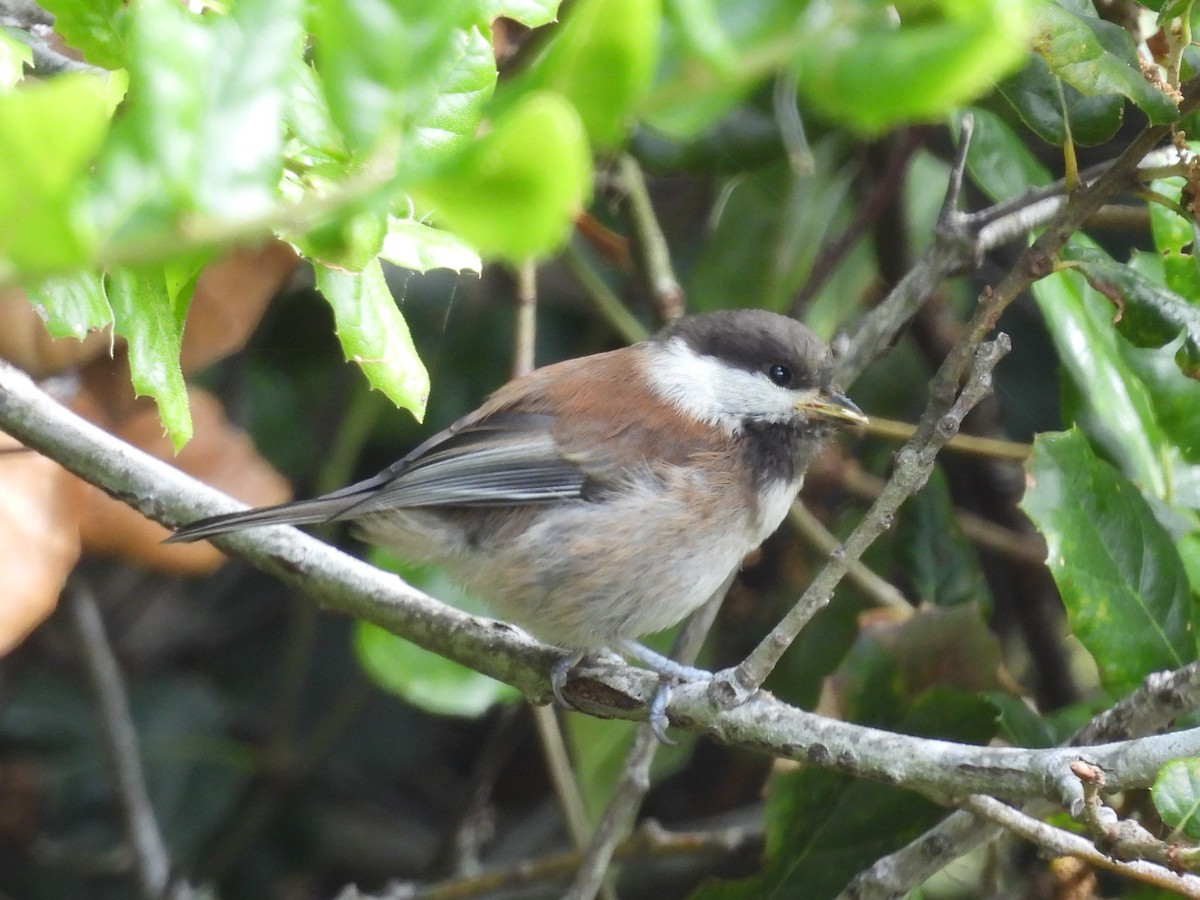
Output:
x,y
778,451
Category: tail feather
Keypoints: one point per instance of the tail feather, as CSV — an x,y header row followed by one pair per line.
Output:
x,y
300,512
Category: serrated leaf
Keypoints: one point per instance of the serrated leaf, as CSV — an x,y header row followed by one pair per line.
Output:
x,y
1120,576
1176,795
150,318
374,334
516,191
1146,313
414,245
51,129
381,61
1096,57
203,127
452,118
14,56
96,28
71,305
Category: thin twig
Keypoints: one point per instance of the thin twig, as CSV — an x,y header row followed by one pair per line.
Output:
x,y
867,212
1064,843
608,304
654,251
878,589
151,858
963,443
525,332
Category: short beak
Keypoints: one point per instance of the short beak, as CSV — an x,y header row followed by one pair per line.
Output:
x,y
834,406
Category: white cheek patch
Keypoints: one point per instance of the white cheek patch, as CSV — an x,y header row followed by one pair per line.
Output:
x,y
707,389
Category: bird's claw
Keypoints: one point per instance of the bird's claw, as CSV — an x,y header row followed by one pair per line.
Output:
x,y
560,674
656,712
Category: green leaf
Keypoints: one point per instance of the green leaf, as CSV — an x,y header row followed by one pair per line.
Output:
x,y
1057,112
862,70
1116,409
1175,239
374,334
414,245
531,13
150,316
382,61
1120,576
203,129
1096,57
14,57
424,679
96,28
452,118
71,305
1146,313
515,192
935,553
601,59
348,241
1176,795
51,129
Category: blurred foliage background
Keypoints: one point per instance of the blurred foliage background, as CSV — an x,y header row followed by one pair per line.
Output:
x,y
423,189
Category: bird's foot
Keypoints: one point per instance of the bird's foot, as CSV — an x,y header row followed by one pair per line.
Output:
x,y
560,674
670,674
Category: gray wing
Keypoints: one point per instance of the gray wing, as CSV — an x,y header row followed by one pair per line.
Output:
x,y
509,459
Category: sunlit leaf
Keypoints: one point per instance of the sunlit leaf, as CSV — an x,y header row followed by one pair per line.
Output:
x,y
601,59
71,305
96,28
374,334
516,191
414,245
51,131
382,61
150,317
861,68
14,56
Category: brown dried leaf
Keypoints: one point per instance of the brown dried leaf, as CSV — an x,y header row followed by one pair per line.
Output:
x,y
220,454
40,506
230,299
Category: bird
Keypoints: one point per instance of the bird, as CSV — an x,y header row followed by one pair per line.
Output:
x,y
600,499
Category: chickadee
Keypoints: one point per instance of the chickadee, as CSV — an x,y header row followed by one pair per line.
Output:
x,y
601,499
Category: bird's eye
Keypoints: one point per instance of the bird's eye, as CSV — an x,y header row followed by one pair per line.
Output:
x,y
780,374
